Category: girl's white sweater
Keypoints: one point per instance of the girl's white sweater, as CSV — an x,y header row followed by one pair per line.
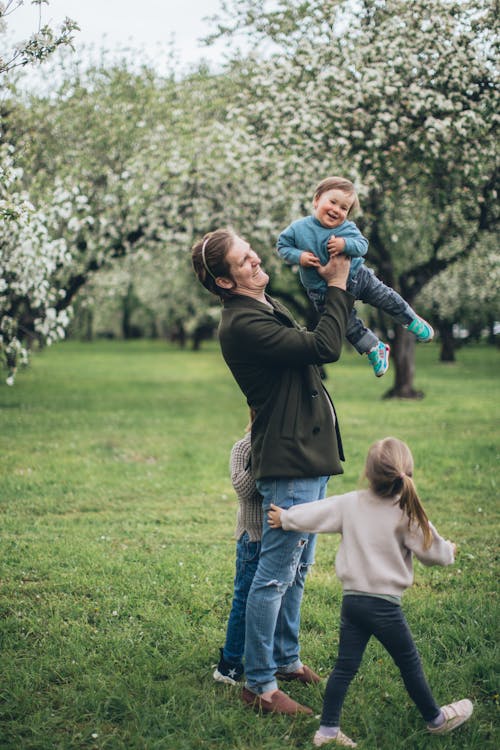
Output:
x,y
377,546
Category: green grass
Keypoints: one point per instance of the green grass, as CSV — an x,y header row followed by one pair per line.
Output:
x,y
117,554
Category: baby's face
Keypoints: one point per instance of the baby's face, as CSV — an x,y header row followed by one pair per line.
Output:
x,y
332,207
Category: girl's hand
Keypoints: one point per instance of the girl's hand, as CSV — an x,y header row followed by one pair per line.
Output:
x,y
309,260
274,517
454,548
335,245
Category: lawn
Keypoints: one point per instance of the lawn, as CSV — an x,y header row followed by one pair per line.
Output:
x,y
117,554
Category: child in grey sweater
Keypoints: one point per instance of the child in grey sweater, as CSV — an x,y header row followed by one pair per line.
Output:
x,y
248,533
382,528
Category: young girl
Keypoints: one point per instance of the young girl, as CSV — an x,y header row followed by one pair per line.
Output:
x,y
310,241
381,528
248,533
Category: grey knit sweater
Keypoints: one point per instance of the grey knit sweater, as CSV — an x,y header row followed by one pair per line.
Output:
x,y
377,547
249,516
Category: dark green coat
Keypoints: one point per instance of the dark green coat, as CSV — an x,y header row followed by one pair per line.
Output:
x,y
275,363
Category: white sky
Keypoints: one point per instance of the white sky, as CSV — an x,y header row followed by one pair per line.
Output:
x,y
147,25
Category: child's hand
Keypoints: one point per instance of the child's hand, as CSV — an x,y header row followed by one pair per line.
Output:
x,y
454,548
274,517
309,260
335,245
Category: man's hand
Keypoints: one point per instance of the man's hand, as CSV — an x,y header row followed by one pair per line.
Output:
x,y
274,517
309,260
335,245
336,271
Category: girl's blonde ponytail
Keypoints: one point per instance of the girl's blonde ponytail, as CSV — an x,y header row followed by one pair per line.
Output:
x,y
389,470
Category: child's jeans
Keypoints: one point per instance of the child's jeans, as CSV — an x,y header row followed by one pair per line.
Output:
x,y
366,287
361,617
247,559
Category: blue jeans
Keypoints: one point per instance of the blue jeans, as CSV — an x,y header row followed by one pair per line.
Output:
x,y
366,287
275,596
362,617
247,558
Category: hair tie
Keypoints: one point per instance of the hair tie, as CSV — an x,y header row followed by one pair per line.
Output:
x,y
207,269
402,475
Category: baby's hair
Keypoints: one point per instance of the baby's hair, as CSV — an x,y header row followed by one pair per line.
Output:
x,y
209,259
338,183
389,470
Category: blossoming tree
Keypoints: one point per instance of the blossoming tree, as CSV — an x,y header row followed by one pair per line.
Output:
x,y
401,98
32,248
159,167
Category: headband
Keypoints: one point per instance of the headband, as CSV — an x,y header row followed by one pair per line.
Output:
x,y
207,269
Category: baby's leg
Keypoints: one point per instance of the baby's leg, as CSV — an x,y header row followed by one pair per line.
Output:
x,y
366,342
377,294
362,338
318,299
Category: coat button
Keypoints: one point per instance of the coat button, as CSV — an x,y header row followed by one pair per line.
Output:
x,y
315,394
316,430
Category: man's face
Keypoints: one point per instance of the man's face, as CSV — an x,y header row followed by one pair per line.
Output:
x,y
245,269
332,207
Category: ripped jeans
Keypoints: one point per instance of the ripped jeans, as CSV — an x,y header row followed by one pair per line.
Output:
x,y
275,596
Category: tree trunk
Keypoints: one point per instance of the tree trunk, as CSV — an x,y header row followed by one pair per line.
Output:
x,y
88,324
445,329
129,304
403,359
493,339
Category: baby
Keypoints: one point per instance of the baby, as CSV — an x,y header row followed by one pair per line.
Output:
x,y
310,241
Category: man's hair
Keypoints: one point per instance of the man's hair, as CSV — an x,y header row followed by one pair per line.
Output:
x,y
208,256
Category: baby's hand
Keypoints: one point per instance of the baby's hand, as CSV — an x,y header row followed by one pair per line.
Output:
x,y
309,260
335,245
274,517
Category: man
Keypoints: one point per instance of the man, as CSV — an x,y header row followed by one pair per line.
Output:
x,y
296,442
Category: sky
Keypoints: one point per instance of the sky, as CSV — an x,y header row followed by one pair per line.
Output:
x,y
142,24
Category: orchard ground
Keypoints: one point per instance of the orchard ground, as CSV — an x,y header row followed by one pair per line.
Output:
x,y
117,552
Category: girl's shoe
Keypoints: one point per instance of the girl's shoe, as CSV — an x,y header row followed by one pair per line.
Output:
x,y
421,329
340,738
379,358
455,714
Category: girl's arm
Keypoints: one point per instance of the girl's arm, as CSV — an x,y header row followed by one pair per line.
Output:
x,y
319,517
441,551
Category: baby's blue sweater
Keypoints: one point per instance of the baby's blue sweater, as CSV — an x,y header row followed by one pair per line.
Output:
x,y
309,234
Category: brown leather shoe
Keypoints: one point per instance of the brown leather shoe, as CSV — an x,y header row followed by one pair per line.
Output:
x,y
279,703
308,677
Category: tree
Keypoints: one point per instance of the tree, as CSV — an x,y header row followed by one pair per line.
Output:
x,y
32,253
40,45
468,293
401,98
152,159
31,247
153,163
